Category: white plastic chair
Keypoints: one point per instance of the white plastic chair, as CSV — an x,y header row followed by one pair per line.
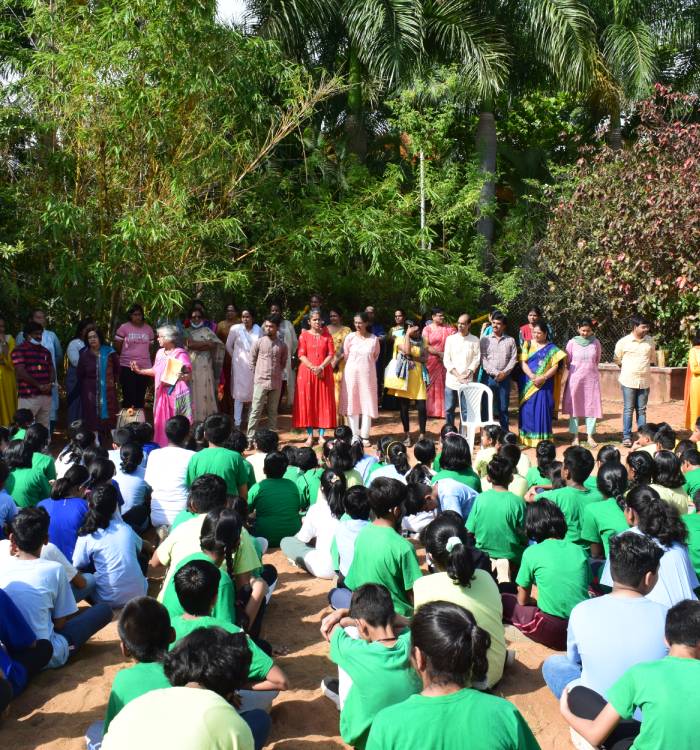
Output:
x,y
469,398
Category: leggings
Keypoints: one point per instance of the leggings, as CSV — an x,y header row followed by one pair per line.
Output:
x,y
590,425
404,403
587,704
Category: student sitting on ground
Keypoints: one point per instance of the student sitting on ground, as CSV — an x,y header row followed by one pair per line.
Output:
x,y
606,454
561,572
355,518
382,555
41,591
537,476
497,520
510,438
458,580
449,653
609,634
21,420
397,466
80,439
421,500
37,438
668,480
362,462
340,459
121,437
654,687
374,666
690,466
665,437
294,473
111,547
27,485
518,485
8,508
276,502
67,508
424,453
143,435
308,463
215,459
645,439
264,441
490,435
573,499
318,526
695,435
692,523
206,669
456,462
648,514
382,444
603,520
238,442
640,468
134,489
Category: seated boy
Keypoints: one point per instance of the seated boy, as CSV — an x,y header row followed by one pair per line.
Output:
x,y
205,669
655,687
665,437
574,497
41,591
645,439
375,668
264,441
690,466
609,634
215,459
692,521
143,432
695,435
8,508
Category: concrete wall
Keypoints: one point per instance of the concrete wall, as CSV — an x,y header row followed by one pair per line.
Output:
x,y
667,384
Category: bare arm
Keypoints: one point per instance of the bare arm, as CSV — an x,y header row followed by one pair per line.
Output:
x,y
275,679
524,597
595,730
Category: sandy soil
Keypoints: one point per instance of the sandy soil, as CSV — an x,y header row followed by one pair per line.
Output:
x,y
60,704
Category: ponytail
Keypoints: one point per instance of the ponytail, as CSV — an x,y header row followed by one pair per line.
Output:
x,y
80,439
334,487
103,504
221,534
657,518
76,476
445,540
642,464
612,481
131,455
396,454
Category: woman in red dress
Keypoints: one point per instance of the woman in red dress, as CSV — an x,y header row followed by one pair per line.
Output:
x,y
314,401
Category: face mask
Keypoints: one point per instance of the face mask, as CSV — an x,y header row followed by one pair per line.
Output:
x,y
195,325
34,341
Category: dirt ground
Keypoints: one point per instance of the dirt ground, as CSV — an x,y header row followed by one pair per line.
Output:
x,y
59,705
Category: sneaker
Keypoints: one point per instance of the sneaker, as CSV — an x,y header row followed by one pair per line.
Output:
x,y
330,688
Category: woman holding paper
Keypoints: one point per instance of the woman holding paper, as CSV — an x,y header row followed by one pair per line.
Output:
x,y
171,371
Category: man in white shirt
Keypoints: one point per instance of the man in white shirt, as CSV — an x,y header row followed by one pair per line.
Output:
x,y
635,354
166,474
461,361
40,589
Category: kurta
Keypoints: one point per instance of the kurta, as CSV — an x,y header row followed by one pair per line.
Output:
x,y
338,341
416,383
204,365
582,389
8,383
238,344
435,336
692,388
98,376
359,385
169,404
314,405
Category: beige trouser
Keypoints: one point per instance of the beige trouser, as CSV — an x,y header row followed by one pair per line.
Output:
x,y
261,398
40,407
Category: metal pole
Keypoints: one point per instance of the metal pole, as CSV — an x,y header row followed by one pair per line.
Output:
x,y
422,199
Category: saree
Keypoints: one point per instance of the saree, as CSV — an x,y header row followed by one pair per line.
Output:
x,y
169,400
8,384
538,404
205,367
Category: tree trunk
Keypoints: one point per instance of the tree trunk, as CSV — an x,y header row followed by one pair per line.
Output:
x,y
615,135
354,125
486,144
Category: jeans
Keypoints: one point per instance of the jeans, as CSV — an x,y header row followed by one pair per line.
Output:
x,y
88,590
340,598
558,671
450,405
634,399
85,624
501,396
259,722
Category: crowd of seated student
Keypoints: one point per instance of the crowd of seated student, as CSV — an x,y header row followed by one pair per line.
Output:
x,y
423,647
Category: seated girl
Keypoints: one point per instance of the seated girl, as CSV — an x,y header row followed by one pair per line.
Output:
x,y
397,465
79,439
67,508
669,481
134,490
27,485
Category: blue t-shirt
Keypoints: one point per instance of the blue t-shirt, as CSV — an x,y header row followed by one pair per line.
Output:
x,y
67,516
114,553
15,635
133,488
8,510
364,465
457,496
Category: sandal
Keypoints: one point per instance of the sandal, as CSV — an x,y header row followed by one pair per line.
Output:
x,y
592,443
627,443
309,442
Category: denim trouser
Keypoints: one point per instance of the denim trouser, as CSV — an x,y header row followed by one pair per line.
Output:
x,y
85,624
259,722
88,590
558,671
634,399
501,396
451,405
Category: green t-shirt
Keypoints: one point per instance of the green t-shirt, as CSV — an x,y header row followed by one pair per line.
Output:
x,y
296,475
27,487
312,477
497,520
131,683
44,464
250,473
436,462
225,607
659,688
465,719
383,556
692,482
353,478
277,505
227,464
181,517
534,478
572,503
20,434
468,477
692,521
562,574
592,484
381,676
601,521
259,666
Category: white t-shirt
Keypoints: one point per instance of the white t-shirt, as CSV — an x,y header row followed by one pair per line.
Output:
x,y
48,552
165,474
257,461
40,590
320,525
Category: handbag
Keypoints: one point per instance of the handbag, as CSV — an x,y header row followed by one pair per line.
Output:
x,y
129,416
392,380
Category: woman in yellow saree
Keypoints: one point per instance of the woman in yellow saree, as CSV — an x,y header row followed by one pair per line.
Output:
x,y
540,383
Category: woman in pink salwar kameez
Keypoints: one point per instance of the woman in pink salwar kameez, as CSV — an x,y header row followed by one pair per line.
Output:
x,y
582,389
170,400
434,335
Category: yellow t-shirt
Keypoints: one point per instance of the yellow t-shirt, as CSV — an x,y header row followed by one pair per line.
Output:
x,y
482,599
518,486
179,718
674,496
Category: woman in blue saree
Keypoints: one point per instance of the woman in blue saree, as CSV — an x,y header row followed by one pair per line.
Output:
x,y
539,382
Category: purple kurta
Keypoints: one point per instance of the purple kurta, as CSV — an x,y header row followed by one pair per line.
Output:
x,y
582,389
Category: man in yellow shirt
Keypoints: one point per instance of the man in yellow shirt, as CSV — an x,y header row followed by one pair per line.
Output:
x,y
635,354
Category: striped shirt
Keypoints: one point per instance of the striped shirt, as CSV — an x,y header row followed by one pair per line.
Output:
x,y
36,360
